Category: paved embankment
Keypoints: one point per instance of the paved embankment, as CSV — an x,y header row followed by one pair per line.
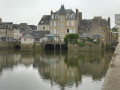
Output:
x,y
112,79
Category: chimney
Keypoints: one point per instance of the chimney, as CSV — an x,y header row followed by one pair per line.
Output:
x,y
51,12
109,21
0,20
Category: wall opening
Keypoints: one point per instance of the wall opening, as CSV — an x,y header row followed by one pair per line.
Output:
x,y
17,46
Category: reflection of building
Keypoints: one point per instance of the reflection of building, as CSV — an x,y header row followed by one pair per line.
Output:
x,y
54,69
64,69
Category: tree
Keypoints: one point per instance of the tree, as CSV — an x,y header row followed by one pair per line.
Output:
x,y
114,29
73,38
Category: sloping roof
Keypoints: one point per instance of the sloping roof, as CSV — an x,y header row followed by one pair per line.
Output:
x,y
85,24
45,20
69,11
63,11
96,36
39,33
27,35
51,35
6,25
33,27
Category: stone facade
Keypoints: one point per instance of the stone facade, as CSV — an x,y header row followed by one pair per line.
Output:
x,y
96,28
17,34
44,23
62,22
114,38
6,31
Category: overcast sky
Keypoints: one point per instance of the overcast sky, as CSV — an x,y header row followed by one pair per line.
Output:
x,y
31,11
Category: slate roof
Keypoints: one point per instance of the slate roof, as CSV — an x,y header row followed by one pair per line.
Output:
x,y
39,33
6,25
45,20
63,11
96,36
33,27
51,35
27,35
85,24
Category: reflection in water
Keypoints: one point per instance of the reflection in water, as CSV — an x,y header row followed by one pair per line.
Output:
x,y
59,68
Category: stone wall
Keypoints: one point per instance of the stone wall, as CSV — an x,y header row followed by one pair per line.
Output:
x,y
87,47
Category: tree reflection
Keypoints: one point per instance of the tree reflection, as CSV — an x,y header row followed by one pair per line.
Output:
x,y
61,68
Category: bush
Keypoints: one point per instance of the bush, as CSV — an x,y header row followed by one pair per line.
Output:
x,y
72,38
81,44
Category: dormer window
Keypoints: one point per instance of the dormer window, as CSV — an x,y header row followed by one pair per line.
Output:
x,y
57,16
67,16
72,16
52,16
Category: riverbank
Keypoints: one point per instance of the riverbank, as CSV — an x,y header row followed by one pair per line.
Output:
x,y
112,79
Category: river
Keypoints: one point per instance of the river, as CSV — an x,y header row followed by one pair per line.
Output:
x,y
49,70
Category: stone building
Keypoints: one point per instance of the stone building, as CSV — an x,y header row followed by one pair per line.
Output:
x,y
117,21
6,31
114,37
96,28
44,23
0,20
62,22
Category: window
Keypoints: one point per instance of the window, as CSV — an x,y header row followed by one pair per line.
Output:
x,y
52,31
67,16
54,23
72,16
67,23
73,31
62,25
67,30
57,23
72,23
57,16
52,16
57,31
43,28
61,18
24,39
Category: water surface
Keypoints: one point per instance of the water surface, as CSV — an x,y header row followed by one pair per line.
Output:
x,y
49,70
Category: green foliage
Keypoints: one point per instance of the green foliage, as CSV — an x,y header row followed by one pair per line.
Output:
x,y
72,38
81,44
114,29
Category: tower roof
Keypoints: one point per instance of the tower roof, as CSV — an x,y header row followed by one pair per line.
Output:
x,y
62,10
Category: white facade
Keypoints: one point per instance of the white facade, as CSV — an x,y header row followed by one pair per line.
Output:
x,y
17,34
43,27
117,21
27,40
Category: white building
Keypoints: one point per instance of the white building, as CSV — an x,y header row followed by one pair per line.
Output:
x,y
17,34
27,39
117,21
